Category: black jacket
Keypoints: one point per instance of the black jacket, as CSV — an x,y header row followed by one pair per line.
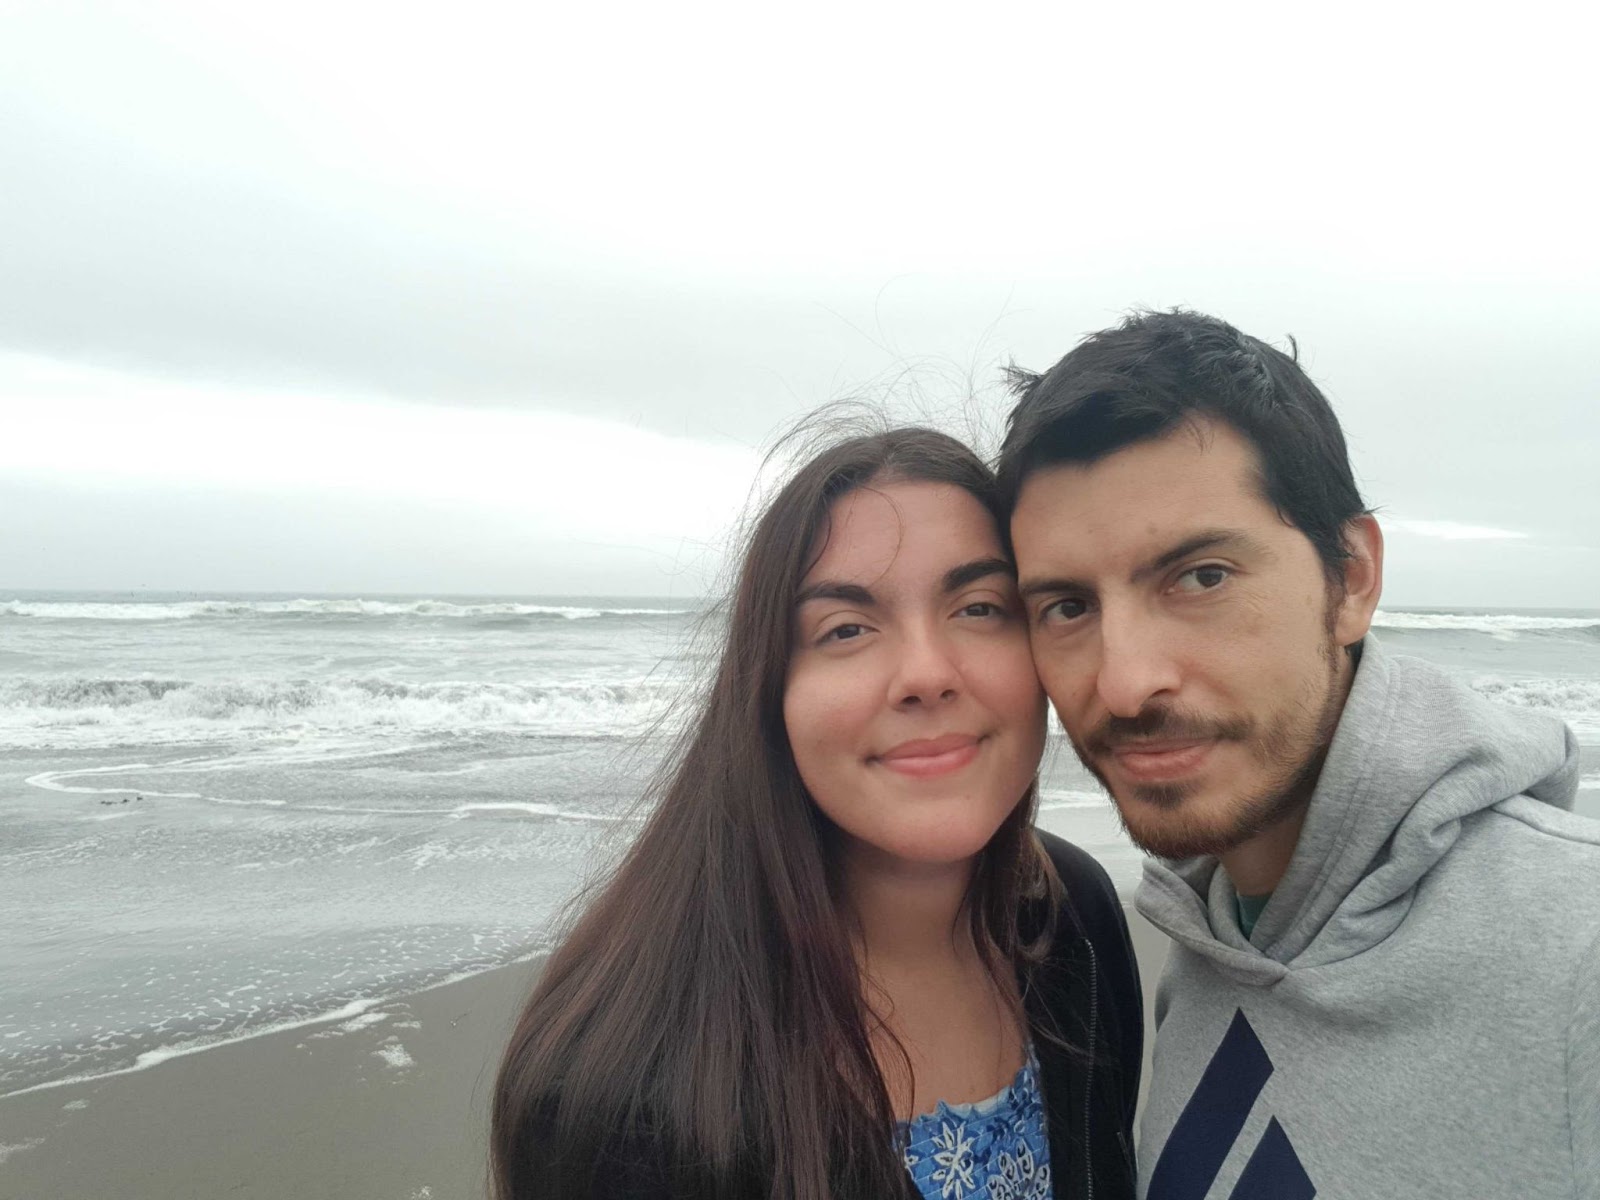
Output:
x,y
1085,993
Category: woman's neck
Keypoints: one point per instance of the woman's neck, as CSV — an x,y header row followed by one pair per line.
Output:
x,y
906,912
946,1028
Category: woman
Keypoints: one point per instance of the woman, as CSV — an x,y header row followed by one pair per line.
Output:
x,y
839,961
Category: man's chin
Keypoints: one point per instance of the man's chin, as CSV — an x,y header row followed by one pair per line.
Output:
x,y
1163,821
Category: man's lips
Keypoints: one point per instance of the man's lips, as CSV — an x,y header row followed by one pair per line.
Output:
x,y
931,756
1161,762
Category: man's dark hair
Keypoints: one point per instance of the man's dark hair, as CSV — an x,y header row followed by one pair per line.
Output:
x,y
1158,369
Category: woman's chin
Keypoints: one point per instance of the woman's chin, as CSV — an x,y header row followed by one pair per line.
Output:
x,y
942,845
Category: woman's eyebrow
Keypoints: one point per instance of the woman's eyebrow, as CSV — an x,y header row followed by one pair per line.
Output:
x,y
831,589
957,578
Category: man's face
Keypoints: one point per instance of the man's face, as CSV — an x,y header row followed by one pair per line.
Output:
x,y
1187,635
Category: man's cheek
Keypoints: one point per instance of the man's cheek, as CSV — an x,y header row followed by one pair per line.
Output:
x,y
1053,678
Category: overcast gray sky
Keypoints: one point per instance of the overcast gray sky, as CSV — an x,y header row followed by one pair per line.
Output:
x,y
507,298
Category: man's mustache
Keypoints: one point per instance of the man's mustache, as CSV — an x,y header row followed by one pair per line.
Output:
x,y
1163,725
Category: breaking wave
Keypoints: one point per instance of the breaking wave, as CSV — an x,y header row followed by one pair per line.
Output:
x,y
1577,701
89,711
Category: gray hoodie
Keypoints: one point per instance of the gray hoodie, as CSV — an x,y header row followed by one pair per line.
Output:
x,y
1417,1013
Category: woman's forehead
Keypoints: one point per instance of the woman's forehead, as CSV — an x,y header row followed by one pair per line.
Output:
x,y
902,530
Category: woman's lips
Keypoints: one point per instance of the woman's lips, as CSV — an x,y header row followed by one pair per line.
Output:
x,y
1161,762
932,756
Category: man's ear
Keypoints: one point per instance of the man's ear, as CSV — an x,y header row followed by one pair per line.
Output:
x,y
1363,579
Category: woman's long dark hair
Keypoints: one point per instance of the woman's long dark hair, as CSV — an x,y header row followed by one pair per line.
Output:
x,y
706,1010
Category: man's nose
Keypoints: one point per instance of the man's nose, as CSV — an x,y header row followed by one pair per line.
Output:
x,y
1136,663
925,673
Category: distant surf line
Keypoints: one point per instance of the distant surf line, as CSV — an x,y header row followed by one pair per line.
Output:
x,y
225,608
1490,623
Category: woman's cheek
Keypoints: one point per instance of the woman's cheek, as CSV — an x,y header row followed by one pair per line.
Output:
x,y
1010,684
821,713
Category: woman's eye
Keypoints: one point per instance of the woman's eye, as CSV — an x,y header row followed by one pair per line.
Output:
x,y
843,633
1202,579
981,608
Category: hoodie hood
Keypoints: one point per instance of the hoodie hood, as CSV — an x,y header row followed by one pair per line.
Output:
x,y
1415,754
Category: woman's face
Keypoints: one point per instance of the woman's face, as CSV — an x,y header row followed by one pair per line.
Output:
x,y
911,703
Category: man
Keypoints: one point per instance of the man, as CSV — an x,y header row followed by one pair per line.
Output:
x,y
1385,973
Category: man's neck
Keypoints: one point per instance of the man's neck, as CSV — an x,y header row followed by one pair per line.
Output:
x,y
1257,867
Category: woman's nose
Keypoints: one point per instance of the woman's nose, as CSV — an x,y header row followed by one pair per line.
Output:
x,y
926,672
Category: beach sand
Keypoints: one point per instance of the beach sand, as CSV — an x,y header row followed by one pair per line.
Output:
x,y
372,1108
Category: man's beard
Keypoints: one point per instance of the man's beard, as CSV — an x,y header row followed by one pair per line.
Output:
x,y
1290,749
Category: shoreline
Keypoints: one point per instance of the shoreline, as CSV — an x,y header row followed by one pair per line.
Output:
x,y
390,1103
351,1009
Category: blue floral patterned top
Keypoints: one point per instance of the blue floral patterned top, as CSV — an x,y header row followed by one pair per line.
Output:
x,y
993,1149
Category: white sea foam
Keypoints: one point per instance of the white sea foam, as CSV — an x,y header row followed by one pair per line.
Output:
x,y
395,1056
106,712
531,809
7,1149
185,610
365,1021
1494,624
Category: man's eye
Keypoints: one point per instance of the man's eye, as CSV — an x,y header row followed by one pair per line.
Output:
x,y
1069,609
980,608
1202,579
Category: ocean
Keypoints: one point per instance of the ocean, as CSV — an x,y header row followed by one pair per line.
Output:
x,y
226,815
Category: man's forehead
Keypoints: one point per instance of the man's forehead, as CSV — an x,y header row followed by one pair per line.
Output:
x,y
1141,500
1195,451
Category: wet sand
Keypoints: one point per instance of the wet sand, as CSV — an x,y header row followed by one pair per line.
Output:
x,y
373,1108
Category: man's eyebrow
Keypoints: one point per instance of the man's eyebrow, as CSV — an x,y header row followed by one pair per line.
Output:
x,y
1206,539
957,578
1045,587
832,589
